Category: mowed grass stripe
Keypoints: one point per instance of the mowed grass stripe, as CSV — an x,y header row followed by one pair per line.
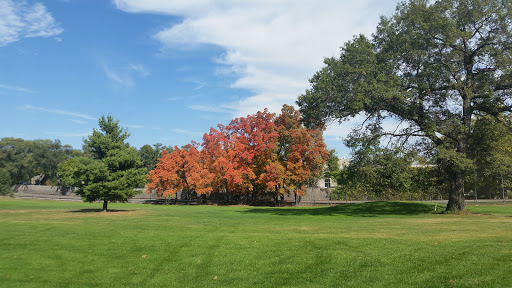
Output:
x,y
383,244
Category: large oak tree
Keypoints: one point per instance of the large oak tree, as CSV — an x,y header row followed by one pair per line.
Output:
x,y
433,65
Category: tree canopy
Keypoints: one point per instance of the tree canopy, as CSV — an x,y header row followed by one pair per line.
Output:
x,y
434,67
24,159
260,154
112,170
151,154
491,149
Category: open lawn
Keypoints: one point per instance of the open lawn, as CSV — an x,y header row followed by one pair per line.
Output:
x,y
382,244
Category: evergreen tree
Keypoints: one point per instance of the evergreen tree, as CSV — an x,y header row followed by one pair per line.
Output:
x,y
113,169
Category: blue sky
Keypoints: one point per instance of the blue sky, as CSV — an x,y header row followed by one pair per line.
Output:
x,y
167,69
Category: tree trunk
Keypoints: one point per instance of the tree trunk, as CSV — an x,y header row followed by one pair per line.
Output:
x,y
456,200
105,204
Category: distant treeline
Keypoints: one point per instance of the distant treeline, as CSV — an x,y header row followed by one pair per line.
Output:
x,y
21,160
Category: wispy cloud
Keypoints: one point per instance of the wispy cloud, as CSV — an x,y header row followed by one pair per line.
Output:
x,y
117,76
199,84
15,88
124,75
176,98
187,132
212,108
78,121
136,126
21,20
65,134
140,69
29,107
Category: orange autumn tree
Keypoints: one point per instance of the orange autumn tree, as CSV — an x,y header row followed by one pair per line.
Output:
x,y
182,169
301,151
217,160
240,152
255,142
253,156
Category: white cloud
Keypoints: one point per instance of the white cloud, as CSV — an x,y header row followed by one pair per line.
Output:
x,y
140,69
117,77
198,83
212,108
187,132
29,107
15,88
272,47
19,20
66,134
175,98
138,126
78,121
124,75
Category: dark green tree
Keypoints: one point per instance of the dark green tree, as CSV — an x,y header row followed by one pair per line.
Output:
x,y
16,158
491,149
151,155
113,170
5,182
433,66
378,172
332,164
46,156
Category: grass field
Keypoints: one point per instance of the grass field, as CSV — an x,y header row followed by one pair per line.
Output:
x,y
382,244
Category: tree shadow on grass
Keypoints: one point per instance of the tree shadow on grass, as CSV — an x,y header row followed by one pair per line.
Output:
x,y
368,209
99,210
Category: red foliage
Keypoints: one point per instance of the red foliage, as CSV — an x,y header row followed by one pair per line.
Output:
x,y
180,169
302,151
259,153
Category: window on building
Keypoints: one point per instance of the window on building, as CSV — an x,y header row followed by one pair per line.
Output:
x,y
327,182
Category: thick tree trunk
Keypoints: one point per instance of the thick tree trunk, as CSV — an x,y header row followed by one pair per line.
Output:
x,y
456,200
105,204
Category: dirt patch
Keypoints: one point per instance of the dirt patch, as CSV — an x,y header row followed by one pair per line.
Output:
x,y
26,211
64,216
98,212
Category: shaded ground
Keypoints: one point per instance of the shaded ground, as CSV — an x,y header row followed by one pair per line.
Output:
x,y
368,209
99,210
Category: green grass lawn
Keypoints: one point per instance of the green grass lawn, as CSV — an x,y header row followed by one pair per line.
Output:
x,y
383,244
